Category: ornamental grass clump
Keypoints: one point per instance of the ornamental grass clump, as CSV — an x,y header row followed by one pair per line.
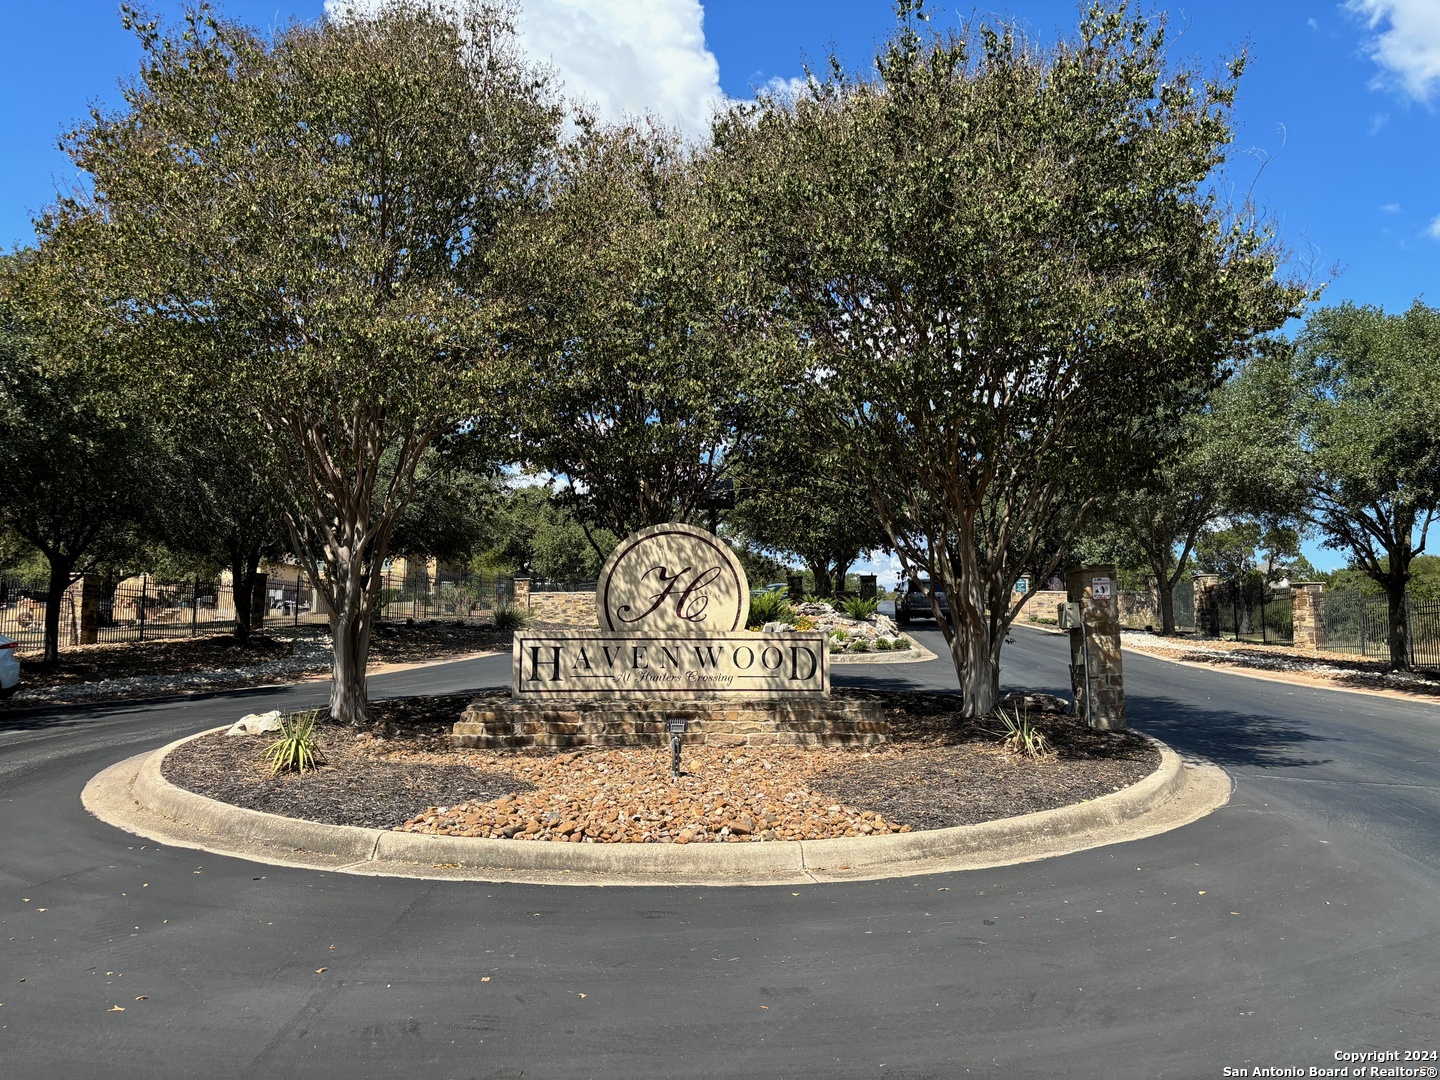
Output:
x,y
295,750
508,618
1022,738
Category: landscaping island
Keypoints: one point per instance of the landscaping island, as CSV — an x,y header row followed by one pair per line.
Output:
x,y
937,770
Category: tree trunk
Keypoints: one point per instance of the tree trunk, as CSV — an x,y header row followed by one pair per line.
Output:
x,y
350,633
822,578
1167,609
242,591
975,666
54,596
1399,627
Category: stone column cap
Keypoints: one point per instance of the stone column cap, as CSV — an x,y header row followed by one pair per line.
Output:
x,y
1302,584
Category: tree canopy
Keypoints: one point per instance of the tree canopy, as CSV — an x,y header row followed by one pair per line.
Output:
x,y
303,227
1013,273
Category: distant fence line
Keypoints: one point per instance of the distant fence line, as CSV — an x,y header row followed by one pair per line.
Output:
x,y
143,607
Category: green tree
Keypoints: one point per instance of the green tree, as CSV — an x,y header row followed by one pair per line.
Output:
x,y
74,452
1014,275
304,227
529,531
794,496
1362,387
217,501
1236,459
645,390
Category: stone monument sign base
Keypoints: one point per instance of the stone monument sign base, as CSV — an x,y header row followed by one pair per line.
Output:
x,y
497,723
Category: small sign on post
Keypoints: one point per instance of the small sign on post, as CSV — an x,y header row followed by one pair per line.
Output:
x,y
1100,588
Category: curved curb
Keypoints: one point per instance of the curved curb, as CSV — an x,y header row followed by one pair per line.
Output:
x,y
916,655
133,795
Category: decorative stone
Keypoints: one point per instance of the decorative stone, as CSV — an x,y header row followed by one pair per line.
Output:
x,y
256,723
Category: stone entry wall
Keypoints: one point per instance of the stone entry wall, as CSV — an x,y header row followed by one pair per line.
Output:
x,y
564,608
1041,605
498,723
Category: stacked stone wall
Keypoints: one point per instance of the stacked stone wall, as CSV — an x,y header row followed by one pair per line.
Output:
x,y
564,608
501,724
1041,605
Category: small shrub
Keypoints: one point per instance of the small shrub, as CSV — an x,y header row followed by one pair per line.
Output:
x,y
805,622
509,618
812,598
1022,738
766,607
840,635
295,750
883,644
860,645
856,608
901,644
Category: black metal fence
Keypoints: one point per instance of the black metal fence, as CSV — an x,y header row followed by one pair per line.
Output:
x,y
1254,611
1359,624
22,612
463,599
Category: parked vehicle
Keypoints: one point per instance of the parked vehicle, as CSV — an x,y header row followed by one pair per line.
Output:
x,y
777,587
915,603
9,666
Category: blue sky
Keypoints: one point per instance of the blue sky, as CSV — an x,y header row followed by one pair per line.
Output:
x,y
1338,134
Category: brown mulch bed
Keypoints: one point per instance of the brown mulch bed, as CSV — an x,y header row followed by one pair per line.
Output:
x,y
937,771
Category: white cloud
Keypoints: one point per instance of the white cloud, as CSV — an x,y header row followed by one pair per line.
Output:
x,y
1434,230
1408,48
623,57
1312,24
1391,208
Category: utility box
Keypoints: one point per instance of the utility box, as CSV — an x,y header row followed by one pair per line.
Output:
x,y
1069,616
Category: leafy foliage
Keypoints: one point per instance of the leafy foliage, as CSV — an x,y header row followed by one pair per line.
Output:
x,y
1012,275
645,387
767,607
857,608
1361,392
304,228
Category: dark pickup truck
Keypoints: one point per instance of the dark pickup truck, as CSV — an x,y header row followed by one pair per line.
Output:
x,y
915,604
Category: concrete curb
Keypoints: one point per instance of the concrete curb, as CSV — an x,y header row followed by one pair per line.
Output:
x,y
134,796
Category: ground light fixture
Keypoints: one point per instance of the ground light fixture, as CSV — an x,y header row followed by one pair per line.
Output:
x,y
676,726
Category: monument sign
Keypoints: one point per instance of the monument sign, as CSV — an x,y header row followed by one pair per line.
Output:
x,y
672,602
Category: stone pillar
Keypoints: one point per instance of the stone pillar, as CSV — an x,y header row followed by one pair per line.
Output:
x,y
259,601
522,593
796,586
89,605
1207,619
867,586
1308,611
1098,647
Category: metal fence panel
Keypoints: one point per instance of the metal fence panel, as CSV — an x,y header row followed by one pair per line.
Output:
x,y
1254,611
466,599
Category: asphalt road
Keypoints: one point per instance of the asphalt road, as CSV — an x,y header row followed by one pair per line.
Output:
x,y
1300,920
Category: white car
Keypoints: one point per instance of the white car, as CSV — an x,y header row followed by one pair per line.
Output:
x,y
9,666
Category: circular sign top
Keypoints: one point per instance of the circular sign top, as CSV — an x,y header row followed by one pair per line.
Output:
x,y
672,579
